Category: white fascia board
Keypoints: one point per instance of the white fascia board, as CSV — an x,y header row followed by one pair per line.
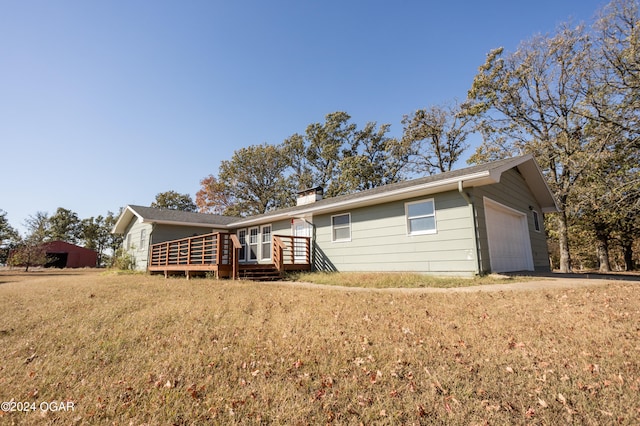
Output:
x,y
128,213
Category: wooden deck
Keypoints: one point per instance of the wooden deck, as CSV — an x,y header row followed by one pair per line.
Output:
x,y
218,253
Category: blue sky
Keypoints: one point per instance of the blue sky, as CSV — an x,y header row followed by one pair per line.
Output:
x,y
107,103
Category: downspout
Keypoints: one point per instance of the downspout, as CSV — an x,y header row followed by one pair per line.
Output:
x,y
472,214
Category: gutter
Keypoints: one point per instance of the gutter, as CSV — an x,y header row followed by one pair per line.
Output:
x,y
472,214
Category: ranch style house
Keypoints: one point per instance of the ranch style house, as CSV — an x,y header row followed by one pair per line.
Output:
x,y
472,221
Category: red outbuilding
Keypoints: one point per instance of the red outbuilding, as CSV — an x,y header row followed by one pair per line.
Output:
x,y
65,255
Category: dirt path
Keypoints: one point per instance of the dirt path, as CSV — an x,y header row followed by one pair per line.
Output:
x,y
549,282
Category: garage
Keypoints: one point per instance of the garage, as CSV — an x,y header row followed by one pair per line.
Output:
x,y
508,238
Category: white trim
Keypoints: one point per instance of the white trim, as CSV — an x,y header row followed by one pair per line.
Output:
x,y
340,240
406,217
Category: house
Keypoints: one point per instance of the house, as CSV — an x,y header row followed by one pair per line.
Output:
x,y
480,219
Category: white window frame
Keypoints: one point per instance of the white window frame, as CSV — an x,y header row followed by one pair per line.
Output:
x,y
267,255
408,218
333,228
244,242
255,245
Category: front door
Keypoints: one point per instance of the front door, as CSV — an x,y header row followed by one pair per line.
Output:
x,y
300,228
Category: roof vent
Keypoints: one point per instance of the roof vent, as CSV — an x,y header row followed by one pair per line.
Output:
x,y
309,196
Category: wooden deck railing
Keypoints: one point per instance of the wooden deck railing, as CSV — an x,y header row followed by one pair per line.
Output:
x,y
290,251
209,249
219,252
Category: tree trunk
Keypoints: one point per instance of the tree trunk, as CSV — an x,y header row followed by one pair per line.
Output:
x,y
627,251
602,247
563,240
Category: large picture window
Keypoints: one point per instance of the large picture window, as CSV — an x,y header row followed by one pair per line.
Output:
x,y
421,217
341,227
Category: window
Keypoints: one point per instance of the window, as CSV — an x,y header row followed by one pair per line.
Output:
x,y
265,252
242,237
143,238
341,227
536,221
128,241
421,217
253,243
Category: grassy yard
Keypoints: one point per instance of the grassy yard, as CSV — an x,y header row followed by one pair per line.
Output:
x,y
137,349
399,280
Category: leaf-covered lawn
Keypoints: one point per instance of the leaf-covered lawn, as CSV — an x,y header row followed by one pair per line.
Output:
x,y
145,350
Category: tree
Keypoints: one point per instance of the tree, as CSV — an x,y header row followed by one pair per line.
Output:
x,y
174,201
38,226
617,33
533,101
326,145
214,197
31,250
64,225
8,236
373,160
437,137
96,235
255,180
7,232
335,155
343,159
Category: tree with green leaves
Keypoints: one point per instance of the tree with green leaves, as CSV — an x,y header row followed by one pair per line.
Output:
x,y
255,179
437,138
173,200
64,225
8,236
7,232
96,234
342,159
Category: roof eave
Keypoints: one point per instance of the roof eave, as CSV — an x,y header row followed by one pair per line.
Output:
x,y
475,179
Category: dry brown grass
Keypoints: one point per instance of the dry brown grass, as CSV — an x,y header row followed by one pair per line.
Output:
x,y
145,350
400,279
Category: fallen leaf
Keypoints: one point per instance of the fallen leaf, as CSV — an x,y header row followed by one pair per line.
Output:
x,y
562,399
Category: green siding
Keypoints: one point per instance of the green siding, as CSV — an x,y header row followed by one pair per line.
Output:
x,y
132,242
163,233
512,191
379,240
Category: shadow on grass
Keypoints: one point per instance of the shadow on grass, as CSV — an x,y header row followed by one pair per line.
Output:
x,y
616,276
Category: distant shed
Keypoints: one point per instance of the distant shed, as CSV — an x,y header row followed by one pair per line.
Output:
x,y
65,255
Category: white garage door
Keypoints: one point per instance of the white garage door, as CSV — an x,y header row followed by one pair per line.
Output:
x,y
508,238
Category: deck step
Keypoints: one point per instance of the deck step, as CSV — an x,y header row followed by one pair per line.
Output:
x,y
259,273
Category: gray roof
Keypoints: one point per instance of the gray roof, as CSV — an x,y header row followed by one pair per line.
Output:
x,y
153,214
478,175
494,168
